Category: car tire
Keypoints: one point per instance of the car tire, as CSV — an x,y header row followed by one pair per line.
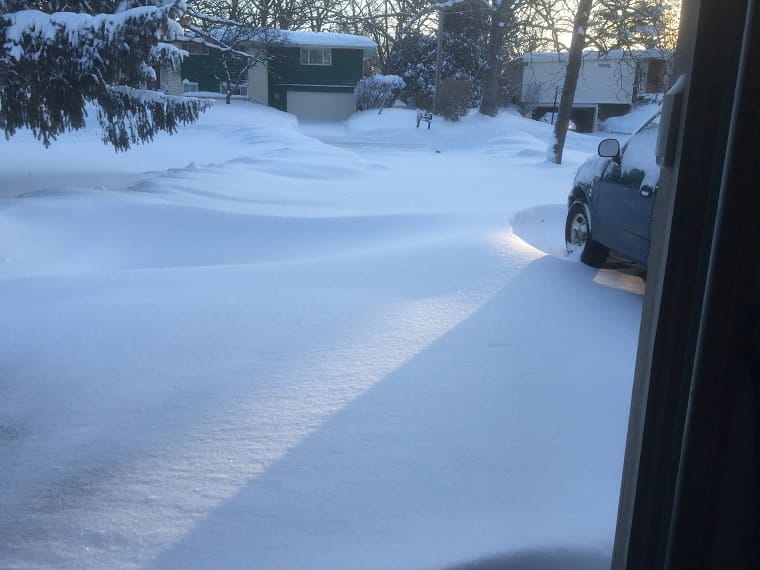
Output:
x,y
578,235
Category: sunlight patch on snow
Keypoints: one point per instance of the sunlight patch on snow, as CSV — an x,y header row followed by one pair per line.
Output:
x,y
508,242
232,450
618,280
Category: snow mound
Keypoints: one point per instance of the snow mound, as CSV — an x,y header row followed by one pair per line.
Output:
x,y
542,227
136,231
335,353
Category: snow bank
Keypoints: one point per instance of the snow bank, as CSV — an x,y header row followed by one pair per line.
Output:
x,y
79,159
268,351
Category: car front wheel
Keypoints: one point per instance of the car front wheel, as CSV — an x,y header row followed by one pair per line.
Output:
x,y
578,236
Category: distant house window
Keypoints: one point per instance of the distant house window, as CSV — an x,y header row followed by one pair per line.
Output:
x,y
605,65
316,56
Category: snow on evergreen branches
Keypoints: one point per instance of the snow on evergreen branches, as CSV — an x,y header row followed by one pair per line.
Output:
x,y
52,64
167,54
130,116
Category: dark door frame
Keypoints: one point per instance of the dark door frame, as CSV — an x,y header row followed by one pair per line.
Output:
x,y
689,495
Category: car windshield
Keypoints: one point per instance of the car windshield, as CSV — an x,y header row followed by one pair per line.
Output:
x,y
294,287
651,125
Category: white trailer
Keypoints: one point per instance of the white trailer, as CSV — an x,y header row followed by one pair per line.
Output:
x,y
608,84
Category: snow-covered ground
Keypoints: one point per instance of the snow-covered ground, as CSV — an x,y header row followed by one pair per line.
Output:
x,y
259,344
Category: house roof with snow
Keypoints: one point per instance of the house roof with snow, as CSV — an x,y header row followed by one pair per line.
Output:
x,y
326,39
294,38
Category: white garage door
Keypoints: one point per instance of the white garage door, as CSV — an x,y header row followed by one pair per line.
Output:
x,y
310,105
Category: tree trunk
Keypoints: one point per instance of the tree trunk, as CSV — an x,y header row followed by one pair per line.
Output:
x,y
574,58
501,19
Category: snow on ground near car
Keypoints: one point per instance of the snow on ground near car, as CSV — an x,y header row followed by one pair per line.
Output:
x,y
256,344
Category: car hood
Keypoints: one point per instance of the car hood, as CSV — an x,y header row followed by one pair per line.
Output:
x,y
589,171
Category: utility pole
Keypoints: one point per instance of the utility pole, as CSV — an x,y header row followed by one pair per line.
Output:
x,y
385,11
438,53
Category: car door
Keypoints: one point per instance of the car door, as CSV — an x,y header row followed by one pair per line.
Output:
x,y
625,193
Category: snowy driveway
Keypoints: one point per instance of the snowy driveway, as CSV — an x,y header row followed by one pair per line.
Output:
x,y
270,352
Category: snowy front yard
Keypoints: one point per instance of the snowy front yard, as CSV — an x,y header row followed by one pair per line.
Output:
x,y
262,345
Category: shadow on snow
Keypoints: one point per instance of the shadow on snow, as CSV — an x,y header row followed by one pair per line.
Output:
x,y
506,433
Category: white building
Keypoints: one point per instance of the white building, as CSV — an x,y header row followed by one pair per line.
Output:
x,y
607,85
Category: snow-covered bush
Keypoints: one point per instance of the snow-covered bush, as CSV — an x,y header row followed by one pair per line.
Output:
x,y
377,91
454,98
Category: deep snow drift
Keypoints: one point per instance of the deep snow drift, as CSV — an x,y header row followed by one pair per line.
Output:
x,y
262,345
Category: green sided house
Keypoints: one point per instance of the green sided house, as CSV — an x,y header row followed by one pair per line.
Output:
x,y
309,74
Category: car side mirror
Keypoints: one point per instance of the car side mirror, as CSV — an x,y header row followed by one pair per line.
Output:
x,y
609,148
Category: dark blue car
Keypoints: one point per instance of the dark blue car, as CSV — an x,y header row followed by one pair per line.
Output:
x,y
611,203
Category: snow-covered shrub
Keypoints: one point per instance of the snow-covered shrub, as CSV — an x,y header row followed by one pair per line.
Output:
x,y
377,91
454,98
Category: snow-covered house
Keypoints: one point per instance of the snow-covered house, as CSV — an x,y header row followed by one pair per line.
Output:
x,y
608,84
309,74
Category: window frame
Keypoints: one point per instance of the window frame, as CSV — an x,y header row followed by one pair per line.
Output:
x,y
690,455
308,52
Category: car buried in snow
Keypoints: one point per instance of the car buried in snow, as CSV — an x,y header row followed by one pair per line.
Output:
x,y
612,199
